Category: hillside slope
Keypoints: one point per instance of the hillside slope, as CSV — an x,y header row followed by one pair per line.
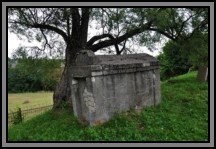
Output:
x,y
181,116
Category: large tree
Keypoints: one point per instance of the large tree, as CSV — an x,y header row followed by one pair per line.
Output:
x,y
116,27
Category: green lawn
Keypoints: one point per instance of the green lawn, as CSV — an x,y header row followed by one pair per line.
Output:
x,y
181,116
34,100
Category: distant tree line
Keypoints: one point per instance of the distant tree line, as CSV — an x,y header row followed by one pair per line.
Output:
x,y
27,74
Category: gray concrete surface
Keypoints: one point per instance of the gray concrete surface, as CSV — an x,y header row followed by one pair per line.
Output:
x,y
105,85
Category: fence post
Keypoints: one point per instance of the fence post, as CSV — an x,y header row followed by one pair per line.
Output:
x,y
20,114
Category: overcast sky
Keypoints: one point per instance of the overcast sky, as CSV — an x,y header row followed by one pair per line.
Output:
x,y
14,42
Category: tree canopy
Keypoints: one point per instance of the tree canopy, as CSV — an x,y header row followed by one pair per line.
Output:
x,y
116,26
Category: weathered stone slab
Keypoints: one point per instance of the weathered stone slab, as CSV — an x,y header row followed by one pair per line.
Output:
x,y
105,85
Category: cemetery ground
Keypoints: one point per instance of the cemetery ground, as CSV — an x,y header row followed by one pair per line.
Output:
x,y
182,115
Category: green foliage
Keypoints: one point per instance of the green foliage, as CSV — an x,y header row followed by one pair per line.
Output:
x,y
182,115
63,104
174,60
198,48
178,57
33,75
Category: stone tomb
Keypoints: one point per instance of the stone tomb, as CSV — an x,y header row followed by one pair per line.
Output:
x,y
103,85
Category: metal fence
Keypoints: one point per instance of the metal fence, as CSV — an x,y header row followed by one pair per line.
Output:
x,y
22,115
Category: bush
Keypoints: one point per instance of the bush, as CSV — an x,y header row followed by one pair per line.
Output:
x,y
173,61
32,75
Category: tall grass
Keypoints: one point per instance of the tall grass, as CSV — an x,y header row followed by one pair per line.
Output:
x,y
182,115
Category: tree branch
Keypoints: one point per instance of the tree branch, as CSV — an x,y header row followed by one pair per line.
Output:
x,y
104,10
84,25
75,14
46,43
68,27
51,28
75,24
123,46
163,33
95,38
50,15
118,40
203,23
183,23
44,26
68,23
23,15
32,15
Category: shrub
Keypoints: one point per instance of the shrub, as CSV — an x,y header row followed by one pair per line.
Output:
x,y
31,75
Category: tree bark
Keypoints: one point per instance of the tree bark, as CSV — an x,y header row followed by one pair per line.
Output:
x,y
62,92
76,42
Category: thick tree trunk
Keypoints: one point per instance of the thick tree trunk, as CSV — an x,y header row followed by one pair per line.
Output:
x,y
76,42
63,91
202,74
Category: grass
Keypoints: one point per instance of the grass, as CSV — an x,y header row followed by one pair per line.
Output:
x,y
181,116
34,99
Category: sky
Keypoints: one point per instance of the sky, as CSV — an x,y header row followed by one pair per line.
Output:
x,y
14,42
